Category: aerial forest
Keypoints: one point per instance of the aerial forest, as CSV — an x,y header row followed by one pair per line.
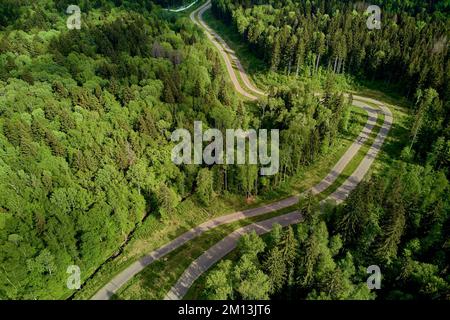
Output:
x,y
85,123
86,117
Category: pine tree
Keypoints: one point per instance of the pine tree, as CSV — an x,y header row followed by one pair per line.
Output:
x,y
219,284
394,225
275,268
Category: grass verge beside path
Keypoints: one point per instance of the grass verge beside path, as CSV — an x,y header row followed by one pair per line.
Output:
x,y
254,67
156,280
354,163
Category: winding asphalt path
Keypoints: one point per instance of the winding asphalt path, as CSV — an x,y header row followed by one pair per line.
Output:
x,y
229,243
215,253
220,249
231,58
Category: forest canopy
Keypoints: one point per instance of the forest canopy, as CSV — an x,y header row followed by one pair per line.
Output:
x,y
85,123
85,152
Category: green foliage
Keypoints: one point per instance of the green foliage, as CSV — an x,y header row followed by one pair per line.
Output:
x,y
398,222
251,245
275,267
85,122
205,186
301,36
167,200
251,283
218,286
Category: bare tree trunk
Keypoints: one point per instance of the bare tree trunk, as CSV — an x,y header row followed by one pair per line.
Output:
x,y
314,66
225,178
317,66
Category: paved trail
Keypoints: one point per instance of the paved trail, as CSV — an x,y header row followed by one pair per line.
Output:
x,y
216,252
226,245
220,249
182,8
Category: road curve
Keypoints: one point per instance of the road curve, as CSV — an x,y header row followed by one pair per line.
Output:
x,y
351,151
119,280
218,43
182,8
226,245
225,50
221,248
358,175
341,194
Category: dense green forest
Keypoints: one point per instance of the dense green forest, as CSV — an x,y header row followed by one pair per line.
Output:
x,y
295,36
85,123
85,152
399,220
410,52
400,223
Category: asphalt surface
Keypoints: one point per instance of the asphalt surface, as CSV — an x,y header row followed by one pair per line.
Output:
x,y
220,249
226,245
